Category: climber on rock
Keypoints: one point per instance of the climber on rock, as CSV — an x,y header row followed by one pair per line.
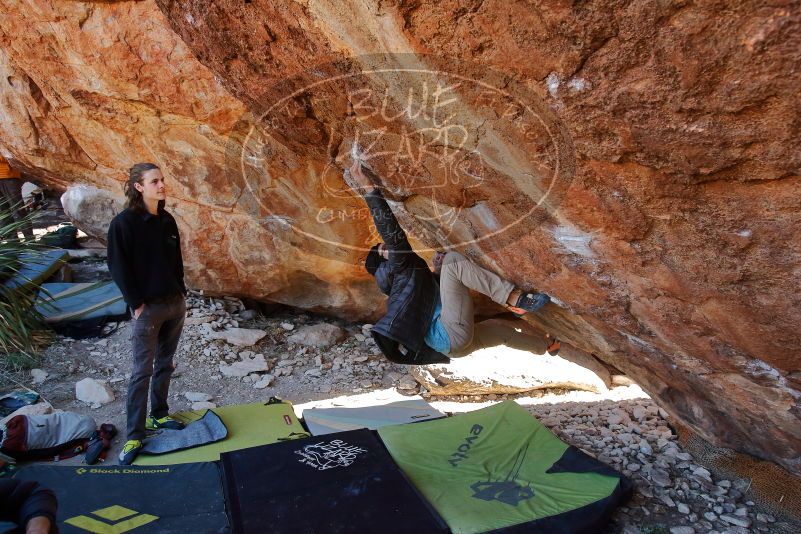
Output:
x,y
429,314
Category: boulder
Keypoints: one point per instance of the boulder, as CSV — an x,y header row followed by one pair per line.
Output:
x,y
203,405
241,337
94,392
91,208
319,335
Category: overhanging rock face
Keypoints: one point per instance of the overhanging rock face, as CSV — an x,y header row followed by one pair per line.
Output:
x,y
638,162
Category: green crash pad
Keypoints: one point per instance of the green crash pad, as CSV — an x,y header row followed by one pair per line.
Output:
x,y
249,425
36,267
65,302
499,467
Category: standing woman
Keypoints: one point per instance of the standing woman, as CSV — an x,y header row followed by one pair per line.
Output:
x,y
144,257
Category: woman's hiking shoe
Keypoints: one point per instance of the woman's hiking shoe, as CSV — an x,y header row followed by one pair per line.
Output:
x,y
165,422
531,302
130,451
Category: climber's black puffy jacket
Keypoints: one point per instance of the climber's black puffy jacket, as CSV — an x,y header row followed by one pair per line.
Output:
x,y
412,290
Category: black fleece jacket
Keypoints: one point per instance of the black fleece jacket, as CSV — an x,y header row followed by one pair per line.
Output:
x,y
21,501
144,256
412,290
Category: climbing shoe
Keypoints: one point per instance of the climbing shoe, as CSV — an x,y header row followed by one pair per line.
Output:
x,y
99,444
130,451
165,422
553,347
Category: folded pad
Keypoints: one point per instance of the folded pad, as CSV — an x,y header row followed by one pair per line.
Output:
x,y
208,429
65,302
327,420
499,468
344,482
248,425
36,267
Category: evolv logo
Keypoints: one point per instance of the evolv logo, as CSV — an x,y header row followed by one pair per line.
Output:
x,y
461,452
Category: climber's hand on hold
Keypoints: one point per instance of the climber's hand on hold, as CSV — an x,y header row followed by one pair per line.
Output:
x,y
359,178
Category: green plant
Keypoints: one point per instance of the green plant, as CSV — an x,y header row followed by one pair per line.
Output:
x,y
22,331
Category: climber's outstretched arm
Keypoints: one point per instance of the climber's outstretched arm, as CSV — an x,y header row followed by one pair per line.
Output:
x,y
387,225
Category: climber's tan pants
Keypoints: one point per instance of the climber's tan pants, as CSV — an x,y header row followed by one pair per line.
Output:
x,y
457,277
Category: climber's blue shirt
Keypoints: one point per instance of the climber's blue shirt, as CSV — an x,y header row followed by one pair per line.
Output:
x,y
436,337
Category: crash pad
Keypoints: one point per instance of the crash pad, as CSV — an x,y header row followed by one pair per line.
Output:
x,y
66,302
322,421
342,482
114,499
248,425
36,267
500,468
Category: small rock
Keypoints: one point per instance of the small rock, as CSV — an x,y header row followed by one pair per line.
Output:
x,y
724,483
241,337
38,375
665,498
765,518
682,530
247,315
257,364
683,508
314,372
633,467
660,477
265,381
701,472
288,326
741,512
324,388
318,335
94,392
645,447
736,520
204,405
196,396
614,419
710,516
407,382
